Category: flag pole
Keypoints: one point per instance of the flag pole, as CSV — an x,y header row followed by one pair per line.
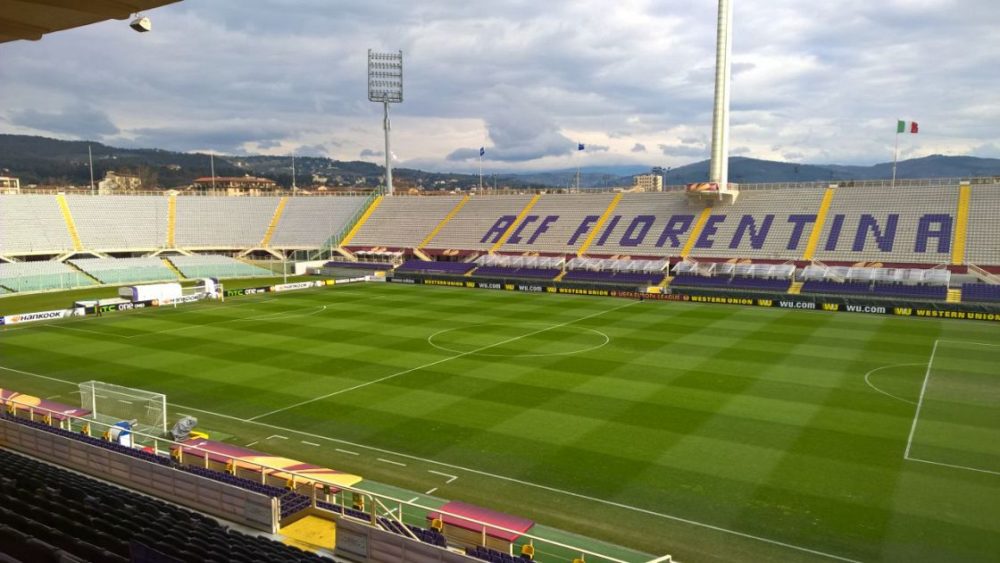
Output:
x,y
480,170
895,156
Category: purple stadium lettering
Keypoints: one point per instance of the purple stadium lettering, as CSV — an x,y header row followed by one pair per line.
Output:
x,y
583,229
498,229
676,226
800,222
883,238
711,227
544,226
757,236
834,237
942,223
609,229
515,237
641,223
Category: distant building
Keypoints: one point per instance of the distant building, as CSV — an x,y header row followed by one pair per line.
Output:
x,y
10,185
235,185
647,183
114,183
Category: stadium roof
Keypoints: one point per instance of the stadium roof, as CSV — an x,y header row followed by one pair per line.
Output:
x,y
31,19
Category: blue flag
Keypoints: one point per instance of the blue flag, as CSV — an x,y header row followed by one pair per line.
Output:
x,y
482,151
579,147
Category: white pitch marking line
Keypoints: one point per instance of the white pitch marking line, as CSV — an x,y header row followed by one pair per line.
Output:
x,y
606,502
415,499
441,361
251,444
348,452
383,460
920,401
314,444
430,492
52,397
967,468
450,477
278,436
886,393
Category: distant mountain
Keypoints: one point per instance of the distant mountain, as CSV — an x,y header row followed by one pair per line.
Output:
x,y
44,161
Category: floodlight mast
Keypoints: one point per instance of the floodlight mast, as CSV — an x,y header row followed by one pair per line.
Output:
x,y
719,172
385,85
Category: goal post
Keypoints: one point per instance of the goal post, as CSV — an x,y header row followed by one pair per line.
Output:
x,y
112,403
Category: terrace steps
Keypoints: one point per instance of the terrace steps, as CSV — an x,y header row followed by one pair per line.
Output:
x,y
173,268
513,226
275,219
817,230
961,224
447,218
172,221
70,224
361,222
600,223
954,296
795,288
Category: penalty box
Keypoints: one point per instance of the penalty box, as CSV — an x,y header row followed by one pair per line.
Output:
x,y
957,420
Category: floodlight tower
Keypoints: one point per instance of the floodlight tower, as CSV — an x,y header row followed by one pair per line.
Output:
x,y
385,84
719,171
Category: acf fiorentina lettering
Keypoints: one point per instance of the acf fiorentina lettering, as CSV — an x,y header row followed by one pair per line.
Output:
x,y
933,232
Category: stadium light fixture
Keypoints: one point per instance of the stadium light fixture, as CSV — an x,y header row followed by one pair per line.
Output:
x,y
141,23
385,85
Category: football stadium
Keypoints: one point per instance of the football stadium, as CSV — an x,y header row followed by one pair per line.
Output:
x,y
711,372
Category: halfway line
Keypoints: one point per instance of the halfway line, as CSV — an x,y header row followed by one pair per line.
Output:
x,y
437,362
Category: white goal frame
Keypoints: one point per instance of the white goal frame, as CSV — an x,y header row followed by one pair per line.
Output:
x,y
110,401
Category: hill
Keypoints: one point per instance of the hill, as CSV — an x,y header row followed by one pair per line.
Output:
x,y
52,162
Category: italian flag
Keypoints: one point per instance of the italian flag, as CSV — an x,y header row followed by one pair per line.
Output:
x,y
901,127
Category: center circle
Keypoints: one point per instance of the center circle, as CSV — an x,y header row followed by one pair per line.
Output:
x,y
519,340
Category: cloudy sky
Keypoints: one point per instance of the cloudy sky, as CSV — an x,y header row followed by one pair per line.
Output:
x,y
820,82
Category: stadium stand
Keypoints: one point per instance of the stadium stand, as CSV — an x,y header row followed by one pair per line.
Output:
x,y
41,275
481,223
447,268
982,247
120,222
904,225
125,270
557,217
981,292
307,222
32,224
404,222
223,222
214,266
46,512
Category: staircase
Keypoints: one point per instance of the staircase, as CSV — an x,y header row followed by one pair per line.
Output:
x,y
421,255
561,275
171,220
954,296
70,223
80,270
172,268
795,288
278,211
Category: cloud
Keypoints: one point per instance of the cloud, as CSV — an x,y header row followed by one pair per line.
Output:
x,y
369,153
639,147
527,80
79,121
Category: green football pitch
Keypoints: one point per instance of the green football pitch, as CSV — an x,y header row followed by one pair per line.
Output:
x,y
709,432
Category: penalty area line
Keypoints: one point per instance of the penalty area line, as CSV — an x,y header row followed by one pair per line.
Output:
x,y
548,488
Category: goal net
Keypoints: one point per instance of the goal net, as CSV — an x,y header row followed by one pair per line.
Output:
x,y
109,403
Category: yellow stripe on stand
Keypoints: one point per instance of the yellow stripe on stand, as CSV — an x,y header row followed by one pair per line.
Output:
x,y
824,209
600,223
961,225
451,214
70,224
278,211
173,268
361,222
696,232
310,533
795,288
524,213
171,221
